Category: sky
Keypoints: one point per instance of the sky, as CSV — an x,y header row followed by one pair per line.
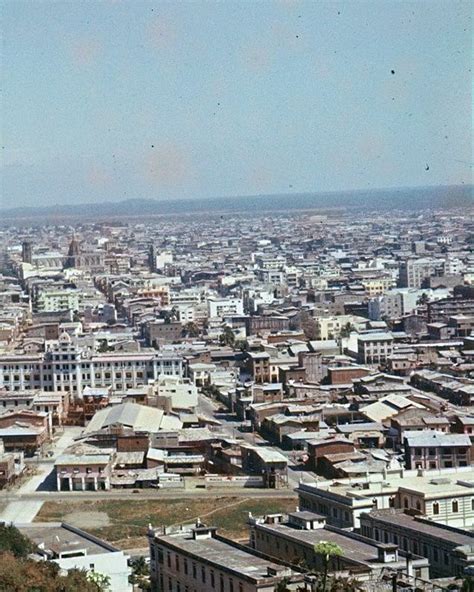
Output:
x,y
110,100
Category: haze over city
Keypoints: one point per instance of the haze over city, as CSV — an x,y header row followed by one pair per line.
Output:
x,y
107,100
236,296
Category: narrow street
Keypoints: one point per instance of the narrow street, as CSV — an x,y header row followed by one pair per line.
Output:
x,y
230,426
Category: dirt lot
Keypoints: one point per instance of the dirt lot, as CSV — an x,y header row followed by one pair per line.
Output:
x,y
124,523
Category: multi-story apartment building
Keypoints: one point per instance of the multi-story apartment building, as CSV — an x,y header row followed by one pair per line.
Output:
x,y
374,348
437,450
414,272
197,559
328,328
65,367
57,300
446,497
393,304
378,285
442,310
221,307
258,364
449,550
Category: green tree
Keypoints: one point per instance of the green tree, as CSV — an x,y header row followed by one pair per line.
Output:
x,y
346,330
12,540
191,330
242,344
423,299
140,574
227,337
103,346
327,550
101,581
19,574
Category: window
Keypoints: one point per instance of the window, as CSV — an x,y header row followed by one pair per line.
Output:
x,y
203,574
455,506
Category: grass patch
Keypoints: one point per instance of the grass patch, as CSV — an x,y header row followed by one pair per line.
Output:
x,y
129,519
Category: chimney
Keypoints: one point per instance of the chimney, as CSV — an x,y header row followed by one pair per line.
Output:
x,y
387,553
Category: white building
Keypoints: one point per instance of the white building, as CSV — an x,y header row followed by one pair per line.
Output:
x,y
65,367
72,548
181,393
221,307
374,348
57,300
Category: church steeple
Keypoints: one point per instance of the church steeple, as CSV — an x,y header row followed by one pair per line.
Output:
x,y
73,251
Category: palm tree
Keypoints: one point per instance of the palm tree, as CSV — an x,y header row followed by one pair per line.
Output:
x,y
327,551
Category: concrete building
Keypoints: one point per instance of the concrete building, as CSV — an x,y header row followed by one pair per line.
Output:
x,y
393,304
267,462
198,559
72,548
222,307
83,472
294,537
57,300
446,497
414,272
437,450
374,348
449,550
65,367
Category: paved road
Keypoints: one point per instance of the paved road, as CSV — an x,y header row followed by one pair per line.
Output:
x,y
25,502
21,511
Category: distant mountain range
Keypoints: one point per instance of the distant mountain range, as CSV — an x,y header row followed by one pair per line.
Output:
x,y
418,198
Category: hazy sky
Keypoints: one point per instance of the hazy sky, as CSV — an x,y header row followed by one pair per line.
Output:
x,y
107,100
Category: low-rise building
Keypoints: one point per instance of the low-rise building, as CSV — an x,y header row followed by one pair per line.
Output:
x,y
294,537
446,497
71,548
449,550
437,450
197,558
83,472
